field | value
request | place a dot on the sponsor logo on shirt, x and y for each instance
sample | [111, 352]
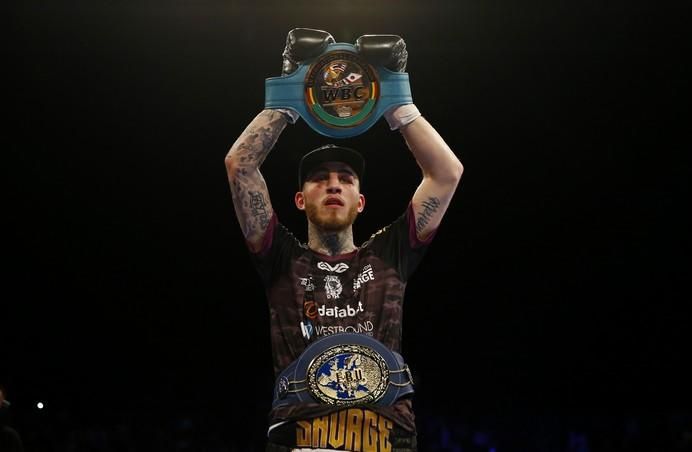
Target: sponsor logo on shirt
[338, 268]
[306, 282]
[307, 329]
[346, 311]
[366, 328]
[310, 310]
[364, 276]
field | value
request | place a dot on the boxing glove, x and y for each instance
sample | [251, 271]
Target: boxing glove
[383, 50]
[389, 51]
[303, 44]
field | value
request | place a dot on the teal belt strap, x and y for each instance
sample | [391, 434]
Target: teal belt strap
[288, 91]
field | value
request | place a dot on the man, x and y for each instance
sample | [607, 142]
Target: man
[330, 286]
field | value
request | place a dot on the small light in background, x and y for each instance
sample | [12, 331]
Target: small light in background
[39, 405]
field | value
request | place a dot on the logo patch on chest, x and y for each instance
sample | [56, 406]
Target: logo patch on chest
[338, 268]
[332, 286]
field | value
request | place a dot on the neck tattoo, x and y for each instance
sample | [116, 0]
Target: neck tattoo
[332, 244]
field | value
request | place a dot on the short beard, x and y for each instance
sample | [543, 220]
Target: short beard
[329, 223]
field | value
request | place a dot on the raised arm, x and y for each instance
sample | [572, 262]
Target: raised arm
[248, 188]
[441, 168]
[441, 173]
[250, 194]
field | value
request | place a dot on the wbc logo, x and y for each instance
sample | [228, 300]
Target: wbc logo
[341, 89]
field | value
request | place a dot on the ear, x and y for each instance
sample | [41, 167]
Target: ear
[299, 199]
[361, 203]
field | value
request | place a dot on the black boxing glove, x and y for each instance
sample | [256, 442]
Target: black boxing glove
[389, 51]
[383, 50]
[303, 44]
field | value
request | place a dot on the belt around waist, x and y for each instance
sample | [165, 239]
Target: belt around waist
[344, 369]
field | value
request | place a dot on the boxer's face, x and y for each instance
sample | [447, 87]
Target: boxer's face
[331, 196]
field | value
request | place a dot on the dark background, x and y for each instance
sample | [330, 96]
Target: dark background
[549, 314]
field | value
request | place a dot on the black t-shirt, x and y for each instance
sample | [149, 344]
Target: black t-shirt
[360, 292]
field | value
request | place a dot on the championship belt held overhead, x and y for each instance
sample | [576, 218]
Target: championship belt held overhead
[339, 93]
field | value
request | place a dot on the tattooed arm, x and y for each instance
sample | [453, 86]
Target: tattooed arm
[441, 174]
[248, 188]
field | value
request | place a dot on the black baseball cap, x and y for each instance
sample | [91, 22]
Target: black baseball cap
[330, 153]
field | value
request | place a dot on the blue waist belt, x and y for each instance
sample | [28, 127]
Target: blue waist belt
[344, 369]
[338, 94]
